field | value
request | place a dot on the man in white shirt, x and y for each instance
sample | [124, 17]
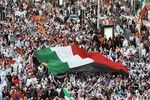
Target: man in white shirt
[41, 68]
[2, 85]
[143, 52]
[125, 42]
[20, 68]
[3, 74]
[1, 90]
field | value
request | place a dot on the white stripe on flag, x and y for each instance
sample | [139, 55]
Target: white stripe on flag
[65, 54]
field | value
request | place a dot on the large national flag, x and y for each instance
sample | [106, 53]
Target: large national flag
[62, 59]
[64, 95]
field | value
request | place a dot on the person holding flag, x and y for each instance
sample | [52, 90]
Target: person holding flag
[140, 14]
[64, 95]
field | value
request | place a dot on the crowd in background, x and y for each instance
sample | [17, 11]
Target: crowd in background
[21, 36]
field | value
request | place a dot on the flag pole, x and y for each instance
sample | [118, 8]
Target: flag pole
[2, 20]
[140, 40]
[133, 5]
[140, 30]
[98, 14]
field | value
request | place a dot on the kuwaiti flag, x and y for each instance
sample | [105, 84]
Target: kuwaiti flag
[61, 59]
[64, 95]
[143, 9]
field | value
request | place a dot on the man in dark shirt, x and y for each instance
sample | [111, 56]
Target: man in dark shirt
[9, 77]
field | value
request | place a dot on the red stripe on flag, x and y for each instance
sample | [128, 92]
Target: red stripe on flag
[144, 10]
[62, 99]
[98, 58]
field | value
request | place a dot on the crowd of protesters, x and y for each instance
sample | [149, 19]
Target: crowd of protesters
[21, 36]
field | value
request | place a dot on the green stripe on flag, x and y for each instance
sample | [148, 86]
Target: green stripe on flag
[141, 3]
[43, 55]
[54, 64]
[137, 16]
[66, 94]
